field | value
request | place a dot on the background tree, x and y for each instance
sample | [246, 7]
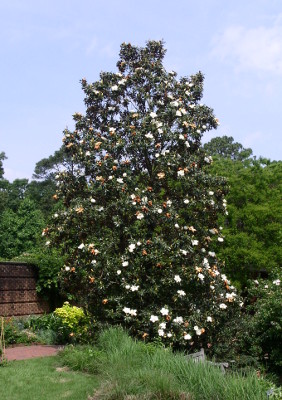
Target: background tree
[19, 231]
[252, 228]
[139, 210]
[225, 147]
[2, 158]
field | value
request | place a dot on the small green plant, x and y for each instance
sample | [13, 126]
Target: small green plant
[15, 333]
[72, 324]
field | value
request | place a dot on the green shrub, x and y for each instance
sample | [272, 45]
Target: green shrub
[15, 333]
[72, 324]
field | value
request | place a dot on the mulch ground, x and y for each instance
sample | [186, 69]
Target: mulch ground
[25, 352]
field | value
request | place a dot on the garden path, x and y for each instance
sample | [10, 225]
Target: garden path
[25, 352]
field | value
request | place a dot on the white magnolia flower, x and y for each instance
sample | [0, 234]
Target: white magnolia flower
[92, 200]
[169, 334]
[230, 296]
[138, 243]
[67, 268]
[160, 130]
[177, 278]
[127, 287]
[154, 318]
[131, 247]
[195, 242]
[56, 215]
[220, 239]
[160, 210]
[134, 288]
[164, 311]
[211, 193]
[118, 271]
[153, 115]
[178, 113]
[149, 136]
[119, 180]
[174, 103]
[122, 82]
[176, 226]
[125, 264]
[199, 332]
[162, 325]
[276, 282]
[181, 137]
[184, 252]
[124, 174]
[186, 201]
[209, 319]
[81, 246]
[201, 277]
[161, 332]
[211, 253]
[187, 337]
[169, 203]
[178, 320]
[110, 177]
[140, 216]
[114, 88]
[87, 153]
[181, 172]
[187, 144]
[181, 293]
[222, 306]
[127, 310]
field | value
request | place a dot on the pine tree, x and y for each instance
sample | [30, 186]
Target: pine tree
[139, 209]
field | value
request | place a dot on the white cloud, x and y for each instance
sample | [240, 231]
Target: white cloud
[258, 49]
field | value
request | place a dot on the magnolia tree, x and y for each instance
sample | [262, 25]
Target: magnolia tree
[139, 209]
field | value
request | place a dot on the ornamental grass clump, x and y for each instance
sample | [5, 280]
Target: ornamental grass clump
[139, 210]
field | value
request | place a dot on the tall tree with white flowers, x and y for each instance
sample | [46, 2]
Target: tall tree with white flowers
[139, 209]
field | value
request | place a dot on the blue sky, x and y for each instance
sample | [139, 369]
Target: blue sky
[46, 47]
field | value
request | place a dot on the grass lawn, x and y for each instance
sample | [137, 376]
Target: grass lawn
[44, 379]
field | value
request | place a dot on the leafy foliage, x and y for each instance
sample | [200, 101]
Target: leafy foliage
[252, 228]
[19, 231]
[226, 147]
[2, 158]
[139, 210]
